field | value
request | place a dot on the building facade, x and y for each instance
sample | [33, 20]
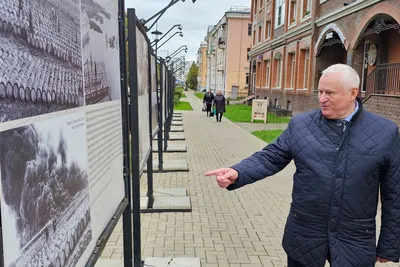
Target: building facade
[228, 43]
[202, 66]
[294, 40]
[182, 75]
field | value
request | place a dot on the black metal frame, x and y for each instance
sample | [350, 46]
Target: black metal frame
[134, 119]
[125, 207]
[160, 95]
[150, 189]
[130, 120]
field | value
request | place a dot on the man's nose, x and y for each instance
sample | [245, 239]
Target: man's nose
[322, 98]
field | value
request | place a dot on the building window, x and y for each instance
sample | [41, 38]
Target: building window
[247, 79]
[259, 34]
[303, 70]
[248, 51]
[249, 28]
[290, 70]
[279, 12]
[254, 38]
[278, 70]
[306, 8]
[268, 30]
[267, 73]
[293, 12]
[306, 66]
[289, 106]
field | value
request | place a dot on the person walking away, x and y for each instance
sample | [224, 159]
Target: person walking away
[208, 100]
[346, 158]
[219, 103]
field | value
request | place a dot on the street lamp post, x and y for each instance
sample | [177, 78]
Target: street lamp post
[158, 40]
[180, 34]
[173, 54]
[159, 14]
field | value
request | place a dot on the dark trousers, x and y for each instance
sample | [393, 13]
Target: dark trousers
[219, 116]
[208, 108]
[292, 263]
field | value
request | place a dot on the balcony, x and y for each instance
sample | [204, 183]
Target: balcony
[221, 42]
[384, 80]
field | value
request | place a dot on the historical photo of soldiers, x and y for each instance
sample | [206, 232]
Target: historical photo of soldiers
[100, 50]
[45, 193]
[40, 57]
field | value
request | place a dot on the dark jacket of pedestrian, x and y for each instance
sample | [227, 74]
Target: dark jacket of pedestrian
[208, 98]
[219, 101]
[340, 170]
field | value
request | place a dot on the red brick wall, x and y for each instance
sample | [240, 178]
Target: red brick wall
[300, 103]
[387, 106]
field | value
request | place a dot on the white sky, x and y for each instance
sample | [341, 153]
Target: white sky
[194, 19]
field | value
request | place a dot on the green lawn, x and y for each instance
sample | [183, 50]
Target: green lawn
[182, 105]
[199, 95]
[242, 113]
[267, 135]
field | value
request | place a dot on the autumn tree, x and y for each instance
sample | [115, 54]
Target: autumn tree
[191, 78]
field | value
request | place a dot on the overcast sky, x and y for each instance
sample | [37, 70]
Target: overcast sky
[194, 19]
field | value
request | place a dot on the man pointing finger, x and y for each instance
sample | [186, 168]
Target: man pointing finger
[346, 159]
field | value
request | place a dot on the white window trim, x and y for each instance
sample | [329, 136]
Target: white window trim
[268, 73]
[279, 87]
[293, 70]
[268, 29]
[282, 15]
[291, 25]
[305, 86]
[303, 18]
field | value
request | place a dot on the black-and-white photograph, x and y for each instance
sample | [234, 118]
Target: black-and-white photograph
[100, 41]
[45, 193]
[40, 57]
[142, 51]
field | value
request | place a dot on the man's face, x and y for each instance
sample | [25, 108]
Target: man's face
[335, 100]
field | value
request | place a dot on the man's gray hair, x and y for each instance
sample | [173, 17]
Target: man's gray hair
[351, 79]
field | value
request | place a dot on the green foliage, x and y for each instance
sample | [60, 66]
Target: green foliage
[199, 95]
[242, 113]
[182, 105]
[191, 79]
[267, 135]
[178, 94]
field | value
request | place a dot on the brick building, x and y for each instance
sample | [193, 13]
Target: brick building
[294, 40]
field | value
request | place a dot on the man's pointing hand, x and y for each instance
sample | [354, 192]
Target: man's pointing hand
[225, 176]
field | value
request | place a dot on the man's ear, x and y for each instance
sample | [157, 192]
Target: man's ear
[354, 93]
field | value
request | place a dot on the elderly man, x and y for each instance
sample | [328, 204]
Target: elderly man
[344, 155]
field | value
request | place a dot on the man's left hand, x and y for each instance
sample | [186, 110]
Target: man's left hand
[381, 260]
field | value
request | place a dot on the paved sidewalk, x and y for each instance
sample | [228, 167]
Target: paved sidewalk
[241, 228]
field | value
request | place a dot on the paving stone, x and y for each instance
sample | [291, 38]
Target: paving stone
[225, 228]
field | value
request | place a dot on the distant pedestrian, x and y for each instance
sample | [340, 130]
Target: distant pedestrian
[208, 100]
[219, 103]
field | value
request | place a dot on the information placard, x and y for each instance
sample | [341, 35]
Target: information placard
[259, 110]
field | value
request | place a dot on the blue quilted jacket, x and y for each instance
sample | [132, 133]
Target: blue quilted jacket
[340, 170]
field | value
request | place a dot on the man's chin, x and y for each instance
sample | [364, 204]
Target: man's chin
[326, 113]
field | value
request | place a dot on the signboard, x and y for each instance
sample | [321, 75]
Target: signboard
[259, 110]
